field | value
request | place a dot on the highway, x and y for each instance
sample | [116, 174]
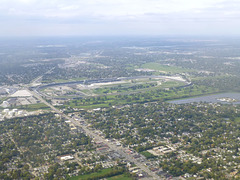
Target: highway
[37, 80]
[114, 147]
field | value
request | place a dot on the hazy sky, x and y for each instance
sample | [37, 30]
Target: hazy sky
[119, 17]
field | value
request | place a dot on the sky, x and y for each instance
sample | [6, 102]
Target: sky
[119, 17]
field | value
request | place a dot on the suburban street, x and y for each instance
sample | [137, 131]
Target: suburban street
[120, 150]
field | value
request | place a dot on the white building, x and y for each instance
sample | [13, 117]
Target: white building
[6, 110]
[67, 157]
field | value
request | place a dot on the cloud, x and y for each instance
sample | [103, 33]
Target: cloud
[116, 8]
[125, 15]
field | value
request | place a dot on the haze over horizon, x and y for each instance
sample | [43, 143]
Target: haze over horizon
[119, 17]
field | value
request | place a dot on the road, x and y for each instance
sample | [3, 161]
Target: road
[90, 133]
[37, 80]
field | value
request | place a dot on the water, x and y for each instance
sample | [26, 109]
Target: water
[210, 99]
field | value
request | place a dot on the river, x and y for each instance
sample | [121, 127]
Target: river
[225, 98]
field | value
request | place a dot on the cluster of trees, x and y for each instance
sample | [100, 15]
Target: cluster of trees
[178, 168]
[197, 127]
[8, 155]
[8, 152]
[225, 83]
[58, 171]
[17, 74]
[16, 174]
[162, 121]
[21, 61]
[40, 136]
[33, 131]
[62, 171]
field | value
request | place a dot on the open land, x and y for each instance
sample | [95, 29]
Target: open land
[101, 110]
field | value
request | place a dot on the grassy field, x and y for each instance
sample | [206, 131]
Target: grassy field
[63, 80]
[164, 68]
[34, 107]
[86, 176]
[120, 177]
[237, 119]
[30, 107]
[136, 88]
[150, 95]
[103, 172]
[147, 154]
[111, 98]
[124, 88]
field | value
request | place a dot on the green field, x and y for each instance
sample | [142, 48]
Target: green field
[126, 87]
[86, 176]
[104, 173]
[165, 68]
[237, 119]
[122, 88]
[120, 177]
[147, 154]
[34, 107]
[30, 107]
[134, 88]
[149, 95]
[63, 80]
